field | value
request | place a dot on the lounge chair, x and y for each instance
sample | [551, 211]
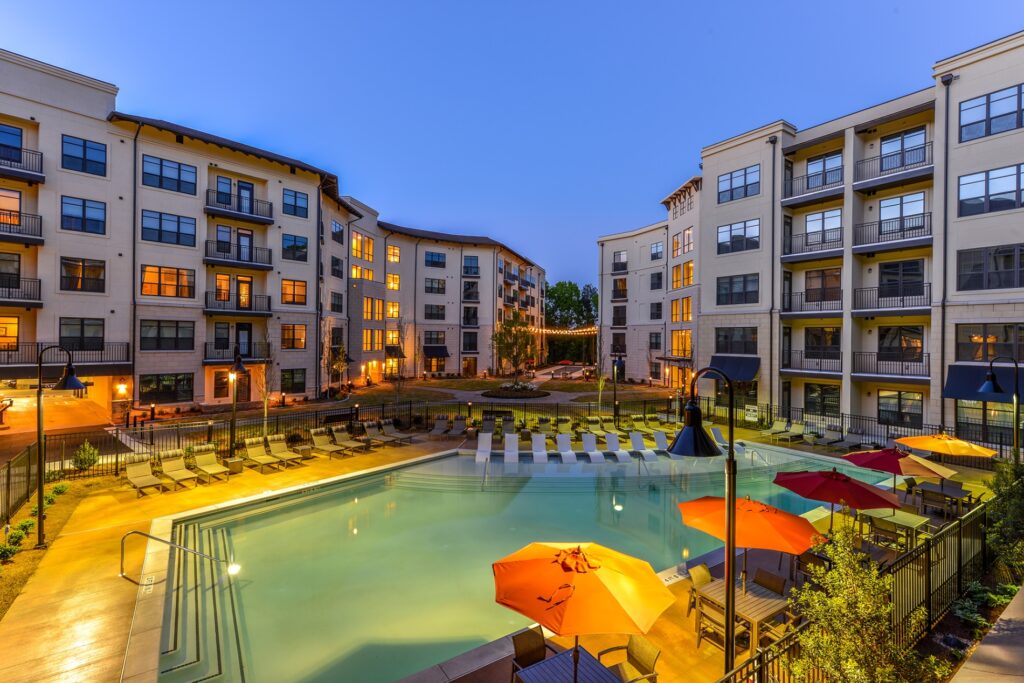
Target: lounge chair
[206, 464]
[256, 454]
[608, 426]
[279, 449]
[170, 455]
[322, 443]
[737, 448]
[440, 428]
[795, 432]
[640, 425]
[565, 451]
[636, 440]
[540, 448]
[458, 427]
[389, 428]
[831, 436]
[373, 433]
[483, 446]
[564, 426]
[778, 427]
[140, 476]
[346, 443]
[661, 444]
[175, 470]
[854, 438]
[611, 441]
[543, 426]
[641, 658]
[512, 448]
[590, 447]
[488, 425]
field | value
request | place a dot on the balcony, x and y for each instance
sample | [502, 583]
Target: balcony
[470, 322]
[470, 271]
[74, 283]
[239, 207]
[814, 303]
[219, 353]
[236, 255]
[511, 277]
[619, 294]
[18, 163]
[898, 300]
[906, 365]
[809, 246]
[471, 295]
[817, 362]
[221, 303]
[523, 283]
[620, 267]
[883, 171]
[905, 232]
[807, 189]
[88, 352]
[618, 321]
[524, 304]
[21, 228]
[510, 300]
[22, 292]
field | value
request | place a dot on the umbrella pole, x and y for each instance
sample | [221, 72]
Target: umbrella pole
[831, 516]
[744, 574]
[576, 660]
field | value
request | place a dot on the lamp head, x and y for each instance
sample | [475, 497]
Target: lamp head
[68, 381]
[693, 440]
[238, 368]
[991, 385]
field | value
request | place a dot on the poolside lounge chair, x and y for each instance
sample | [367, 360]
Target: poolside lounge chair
[592, 425]
[280, 449]
[488, 424]
[565, 451]
[458, 427]
[483, 446]
[641, 658]
[389, 428]
[373, 433]
[170, 455]
[590, 447]
[611, 441]
[206, 464]
[543, 426]
[346, 443]
[540, 448]
[440, 428]
[832, 435]
[608, 425]
[796, 431]
[778, 427]
[256, 454]
[508, 425]
[140, 476]
[854, 439]
[640, 425]
[175, 470]
[737, 448]
[636, 440]
[563, 426]
[511, 448]
[203, 449]
[322, 443]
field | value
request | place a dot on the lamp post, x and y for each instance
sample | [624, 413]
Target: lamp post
[991, 386]
[236, 370]
[617, 357]
[693, 440]
[67, 382]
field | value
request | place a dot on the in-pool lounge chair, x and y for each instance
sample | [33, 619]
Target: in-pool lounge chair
[661, 444]
[778, 427]
[611, 442]
[512, 448]
[175, 470]
[374, 434]
[590, 447]
[256, 454]
[140, 476]
[565, 451]
[540, 448]
[279, 449]
[207, 465]
[440, 428]
[388, 426]
[458, 426]
[322, 443]
[636, 440]
[483, 446]
[738, 448]
[346, 443]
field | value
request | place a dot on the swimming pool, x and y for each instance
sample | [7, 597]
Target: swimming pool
[379, 576]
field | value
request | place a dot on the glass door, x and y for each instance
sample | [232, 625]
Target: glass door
[243, 287]
[245, 195]
[243, 339]
[10, 271]
[10, 209]
[901, 279]
[244, 245]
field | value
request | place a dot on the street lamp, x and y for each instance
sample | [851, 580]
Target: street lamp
[67, 382]
[617, 365]
[237, 369]
[991, 386]
[693, 440]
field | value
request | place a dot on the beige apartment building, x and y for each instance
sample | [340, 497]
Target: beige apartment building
[155, 252]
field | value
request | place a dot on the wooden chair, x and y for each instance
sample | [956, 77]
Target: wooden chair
[641, 658]
[886, 534]
[711, 625]
[773, 582]
[699, 576]
[936, 501]
[529, 648]
[911, 484]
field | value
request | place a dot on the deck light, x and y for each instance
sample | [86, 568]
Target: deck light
[234, 568]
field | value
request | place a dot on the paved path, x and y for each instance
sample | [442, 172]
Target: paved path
[1000, 656]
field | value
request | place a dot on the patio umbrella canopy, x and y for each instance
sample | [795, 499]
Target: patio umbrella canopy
[946, 445]
[758, 525]
[835, 487]
[895, 461]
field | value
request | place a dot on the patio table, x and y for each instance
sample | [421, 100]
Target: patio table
[953, 492]
[909, 521]
[558, 669]
[755, 606]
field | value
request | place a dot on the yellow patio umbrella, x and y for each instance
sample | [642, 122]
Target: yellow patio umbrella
[944, 444]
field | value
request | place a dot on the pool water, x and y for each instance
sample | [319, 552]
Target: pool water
[376, 578]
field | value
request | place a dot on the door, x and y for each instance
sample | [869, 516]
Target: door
[244, 245]
[901, 343]
[901, 217]
[10, 209]
[8, 334]
[786, 398]
[222, 287]
[900, 279]
[787, 345]
[243, 288]
[245, 195]
[10, 271]
[787, 290]
[243, 339]
[902, 150]
[469, 366]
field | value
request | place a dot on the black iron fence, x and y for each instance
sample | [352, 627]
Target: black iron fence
[824, 299]
[239, 252]
[18, 223]
[898, 296]
[893, 229]
[894, 162]
[17, 482]
[239, 203]
[828, 360]
[813, 182]
[20, 289]
[223, 301]
[21, 159]
[225, 351]
[898, 364]
[811, 242]
[27, 353]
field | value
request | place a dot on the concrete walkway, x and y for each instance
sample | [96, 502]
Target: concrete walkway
[1000, 656]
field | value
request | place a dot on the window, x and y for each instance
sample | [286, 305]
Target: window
[823, 170]
[687, 240]
[687, 309]
[394, 281]
[822, 342]
[823, 226]
[901, 278]
[900, 408]
[393, 309]
[656, 280]
[293, 381]
[295, 203]
[677, 276]
[391, 338]
[360, 273]
[433, 311]
[362, 246]
[8, 324]
[168, 175]
[469, 341]
[904, 343]
[619, 262]
[470, 316]
[989, 191]
[618, 288]
[741, 236]
[739, 340]
[470, 290]
[433, 364]
[990, 114]
[367, 308]
[81, 334]
[168, 228]
[367, 339]
[433, 259]
[470, 265]
[337, 232]
[294, 247]
[337, 302]
[394, 253]
[682, 343]
[990, 267]
[293, 292]
[688, 274]
[338, 267]
[982, 342]
[745, 182]
[654, 341]
[618, 342]
[433, 338]
[655, 371]
[168, 388]
[82, 275]
[165, 281]
[222, 385]
[905, 148]
[821, 399]
[823, 285]
[83, 215]
[737, 289]
[985, 421]
[675, 307]
[676, 248]
[657, 251]
[10, 143]
[83, 155]
[166, 335]
[433, 285]
[898, 214]
[655, 310]
[293, 336]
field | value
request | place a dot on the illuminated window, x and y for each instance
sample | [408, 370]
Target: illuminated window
[675, 245]
[392, 338]
[293, 292]
[362, 246]
[367, 308]
[677, 276]
[682, 343]
[393, 309]
[687, 240]
[378, 309]
[367, 340]
[687, 309]
[675, 311]
[357, 272]
[394, 281]
[293, 336]
[171, 282]
[688, 274]
[394, 253]
[378, 340]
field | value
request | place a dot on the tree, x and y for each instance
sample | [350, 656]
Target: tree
[398, 376]
[514, 342]
[1006, 514]
[264, 382]
[567, 306]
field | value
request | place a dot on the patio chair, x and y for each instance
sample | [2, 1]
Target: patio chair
[593, 426]
[935, 501]
[511, 448]
[372, 434]
[886, 534]
[563, 426]
[795, 432]
[641, 658]
[778, 427]
[529, 647]
[483, 446]
[280, 449]
[910, 483]
[322, 443]
[738, 448]
[202, 449]
[773, 582]
[640, 425]
[175, 470]
[608, 426]
[590, 447]
[540, 448]
[565, 451]
[543, 426]
[711, 625]
[700, 576]
[141, 477]
[440, 428]
[851, 440]
[170, 455]
[508, 425]
[636, 440]
[805, 562]
[488, 424]
[346, 443]
[206, 464]
[391, 430]
[661, 444]
[458, 427]
[832, 435]
[612, 445]
[256, 454]
[860, 438]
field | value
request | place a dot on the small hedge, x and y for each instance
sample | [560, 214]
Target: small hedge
[511, 393]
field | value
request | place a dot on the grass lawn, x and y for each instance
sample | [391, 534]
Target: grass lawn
[462, 383]
[385, 393]
[571, 386]
[631, 395]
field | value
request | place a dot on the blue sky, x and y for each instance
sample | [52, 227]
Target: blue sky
[544, 124]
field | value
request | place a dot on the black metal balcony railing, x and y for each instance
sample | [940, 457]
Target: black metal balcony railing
[471, 322]
[815, 360]
[810, 242]
[220, 301]
[895, 162]
[814, 182]
[239, 203]
[17, 223]
[21, 159]
[901, 295]
[893, 229]
[813, 300]
[471, 271]
[620, 267]
[225, 350]
[511, 277]
[619, 294]
[82, 351]
[510, 300]
[898, 363]
[618, 322]
[73, 283]
[20, 288]
[240, 253]
[471, 295]
[523, 303]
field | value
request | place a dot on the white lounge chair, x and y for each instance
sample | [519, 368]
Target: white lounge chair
[661, 444]
[540, 448]
[590, 447]
[512, 448]
[611, 441]
[738, 448]
[483, 446]
[636, 440]
[565, 451]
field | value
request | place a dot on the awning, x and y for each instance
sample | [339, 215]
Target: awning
[393, 351]
[963, 382]
[681, 361]
[435, 351]
[349, 359]
[738, 368]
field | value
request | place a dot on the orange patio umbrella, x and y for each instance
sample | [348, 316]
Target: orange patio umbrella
[944, 444]
[576, 589]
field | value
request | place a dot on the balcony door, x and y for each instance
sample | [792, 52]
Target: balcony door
[10, 207]
[10, 144]
[902, 343]
[901, 279]
[244, 245]
[245, 196]
[10, 271]
[899, 214]
[823, 285]
[243, 291]
[8, 333]
[243, 339]
[903, 149]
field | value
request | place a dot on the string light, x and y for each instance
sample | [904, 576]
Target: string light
[565, 332]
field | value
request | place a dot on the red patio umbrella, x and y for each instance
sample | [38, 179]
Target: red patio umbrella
[832, 486]
[895, 461]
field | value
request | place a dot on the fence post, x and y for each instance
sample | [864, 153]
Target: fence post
[177, 434]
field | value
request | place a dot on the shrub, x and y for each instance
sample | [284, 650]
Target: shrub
[86, 456]
[53, 475]
[7, 552]
[26, 525]
[293, 439]
[16, 537]
[49, 499]
[60, 489]
[1006, 514]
